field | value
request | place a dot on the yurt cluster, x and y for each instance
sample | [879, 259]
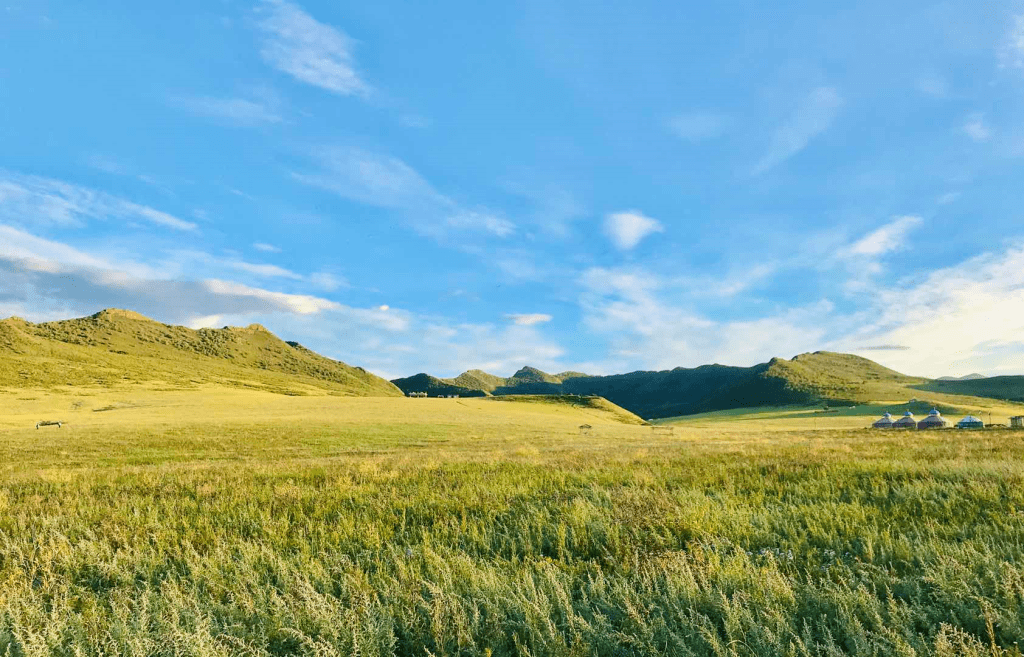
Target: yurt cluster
[933, 420]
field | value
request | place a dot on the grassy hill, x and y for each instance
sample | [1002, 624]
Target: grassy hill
[1009, 388]
[815, 378]
[118, 347]
[434, 386]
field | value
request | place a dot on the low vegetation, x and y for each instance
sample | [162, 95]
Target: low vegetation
[818, 378]
[1010, 388]
[266, 525]
[118, 348]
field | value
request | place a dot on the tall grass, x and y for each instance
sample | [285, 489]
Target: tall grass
[271, 540]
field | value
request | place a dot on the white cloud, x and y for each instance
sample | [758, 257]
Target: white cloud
[44, 280]
[627, 229]
[41, 254]
[34, 268]
[646, 328]
[529, 319]
[698, 126]
[814, 116]
[37, 200]
[266, 248]
[933, 85]
[185, 261]
[470, 220]
[1012, 54]
[311, 52]
[234, 111]
[889, 237]
[976, 128]
[388, 182]
[959, 319]
[328, 282]
[554, 209]
[370, 178]
[301, 304]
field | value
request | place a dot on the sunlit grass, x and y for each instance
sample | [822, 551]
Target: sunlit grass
[238, 523]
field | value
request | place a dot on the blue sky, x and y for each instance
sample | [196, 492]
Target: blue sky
[442, 186]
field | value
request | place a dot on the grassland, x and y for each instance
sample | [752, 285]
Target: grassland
[228, 522]
[121, 349]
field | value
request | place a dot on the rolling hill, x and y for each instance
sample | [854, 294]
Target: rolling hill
[1007, 388]
[119, 347]
[819, 377]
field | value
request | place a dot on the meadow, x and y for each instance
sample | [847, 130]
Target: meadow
[226, 522]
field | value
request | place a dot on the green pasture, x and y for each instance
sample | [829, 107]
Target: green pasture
[225, 522]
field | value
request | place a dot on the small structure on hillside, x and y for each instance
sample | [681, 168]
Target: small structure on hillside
[933, 421]
[50, 423]
[586, 429]
[885, 422]
[1017, 422]
[970, 422]
[908, 421]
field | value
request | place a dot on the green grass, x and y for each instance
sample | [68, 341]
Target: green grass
[997, 387]
[224, 522]
[121, 349]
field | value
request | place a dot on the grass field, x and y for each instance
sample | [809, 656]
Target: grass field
[225, 522]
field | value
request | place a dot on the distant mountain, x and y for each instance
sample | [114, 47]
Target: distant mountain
[967, 377]
[434, 386]
[809, 378]
[1008, 388]
[120, 347]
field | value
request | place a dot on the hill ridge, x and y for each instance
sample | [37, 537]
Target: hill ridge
[809, 378]
[122, 347]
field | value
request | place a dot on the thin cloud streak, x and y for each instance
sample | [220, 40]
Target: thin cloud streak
[387, 182]
[889, 237]
[317, 54]
[240, 112]
[38, 200]
[814, 116]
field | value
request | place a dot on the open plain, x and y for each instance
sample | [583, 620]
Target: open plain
[223, 521]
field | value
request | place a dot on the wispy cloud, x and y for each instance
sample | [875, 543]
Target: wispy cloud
[266, 248]
[698, 126]
[1012, 52]
[934, 85]
[36, 268]
[967, 317]
[388, 182]
[43, 280]
[242, 112]
[889, 237]
[529, 319]
[813, 116]
[37, 200]
[472, 220]
[627, 229]
[308, 50]
[554, 209]
[371, 179]
[645, 327]
[976, 128]
[327, 281]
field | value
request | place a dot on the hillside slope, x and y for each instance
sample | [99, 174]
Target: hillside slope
[434, 386]
[117, 347]
[1008, 388]
[820, 377]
